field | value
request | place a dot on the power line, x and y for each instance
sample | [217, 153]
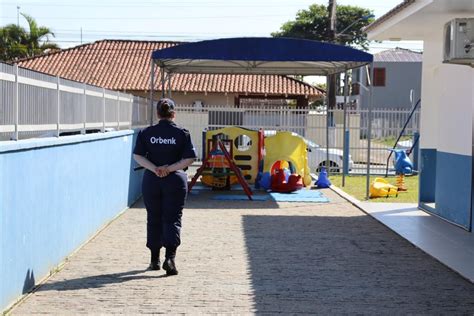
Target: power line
[150, 4]
[161, 18]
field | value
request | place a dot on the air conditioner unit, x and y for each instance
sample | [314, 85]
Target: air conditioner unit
[459, 42]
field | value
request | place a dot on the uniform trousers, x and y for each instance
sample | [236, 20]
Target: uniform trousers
[164, 201]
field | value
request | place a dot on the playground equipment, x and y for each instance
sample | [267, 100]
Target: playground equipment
[245, 148]
[381, 188]
[415, 142]
[323, 180]
[220, 166]
[403, 166]
[283, 147]
[280, 182]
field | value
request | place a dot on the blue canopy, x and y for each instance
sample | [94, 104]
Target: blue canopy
[257, 55]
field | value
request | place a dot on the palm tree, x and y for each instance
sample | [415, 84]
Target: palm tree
[37, 40]
[16, 42]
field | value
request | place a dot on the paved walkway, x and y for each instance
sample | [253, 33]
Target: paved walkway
[256, 257]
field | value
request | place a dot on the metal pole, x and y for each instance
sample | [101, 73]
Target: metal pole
[345, 154]
[169, 85]
[103, 110]
[17, 101]
[152, 84]
[130, 113]
[118, 111]
[163, 82]
[58, 103]
[327, 123]
[369, 129]
[84, 104]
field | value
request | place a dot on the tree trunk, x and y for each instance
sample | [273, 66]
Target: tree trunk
[331, 91]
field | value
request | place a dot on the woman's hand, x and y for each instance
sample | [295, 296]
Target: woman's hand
[162, 171]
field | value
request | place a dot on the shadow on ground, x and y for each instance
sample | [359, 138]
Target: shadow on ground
[97, 281]
[342, 265]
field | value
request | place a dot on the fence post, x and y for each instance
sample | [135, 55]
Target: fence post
[84, 109]
[130, 113]
[138, 108]
[15, 136]
[118, 111]
[58, 103]
[103, 110]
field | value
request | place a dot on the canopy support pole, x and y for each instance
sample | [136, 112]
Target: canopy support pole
[152, 84]
[345, 145]
[369, 128]
[327, 124]
[163, 82]
[169, 85]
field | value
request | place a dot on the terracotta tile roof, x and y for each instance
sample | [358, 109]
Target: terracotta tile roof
[389, 14]
[398, 55]
[125, 65]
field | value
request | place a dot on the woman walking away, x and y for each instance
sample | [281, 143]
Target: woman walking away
[164, 150]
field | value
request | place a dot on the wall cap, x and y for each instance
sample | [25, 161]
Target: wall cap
[34, 143]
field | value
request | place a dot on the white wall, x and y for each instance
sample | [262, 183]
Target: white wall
[189, 98]
[208, 99]
[447, 106]
[430, 104]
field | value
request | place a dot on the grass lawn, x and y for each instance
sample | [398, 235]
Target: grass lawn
[390, 141]
[355, 186]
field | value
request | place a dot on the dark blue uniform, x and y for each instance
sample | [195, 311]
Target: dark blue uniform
[164, 144]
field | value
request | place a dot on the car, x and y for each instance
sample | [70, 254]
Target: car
[317, 155]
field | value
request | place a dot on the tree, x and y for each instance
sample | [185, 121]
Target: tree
[313, 24]
[16, 42]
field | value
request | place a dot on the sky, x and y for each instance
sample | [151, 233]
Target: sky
[173, 20]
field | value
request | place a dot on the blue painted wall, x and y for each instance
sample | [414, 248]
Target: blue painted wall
[55, 193]
[453, 187]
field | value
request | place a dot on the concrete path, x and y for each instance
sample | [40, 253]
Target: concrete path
[241, 257]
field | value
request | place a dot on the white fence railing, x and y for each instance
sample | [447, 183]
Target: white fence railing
[34, 104]
[386, 126]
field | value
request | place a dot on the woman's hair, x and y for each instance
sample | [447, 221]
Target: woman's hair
[165, 108]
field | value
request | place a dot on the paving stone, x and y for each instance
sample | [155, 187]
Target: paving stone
[241, 257]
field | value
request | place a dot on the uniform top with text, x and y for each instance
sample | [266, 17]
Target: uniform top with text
[164, 143]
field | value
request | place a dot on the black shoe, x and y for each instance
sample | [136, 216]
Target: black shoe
[154, 265]
[170, 267]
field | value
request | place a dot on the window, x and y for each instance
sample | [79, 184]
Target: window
[379, 77]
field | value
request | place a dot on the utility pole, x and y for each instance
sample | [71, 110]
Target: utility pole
[331, 89]
[18, 16]
[81, 35]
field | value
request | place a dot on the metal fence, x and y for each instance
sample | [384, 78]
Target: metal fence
[386, 126]
[34, 104]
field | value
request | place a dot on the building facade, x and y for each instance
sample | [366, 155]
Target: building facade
[397, 80]
[446, 178]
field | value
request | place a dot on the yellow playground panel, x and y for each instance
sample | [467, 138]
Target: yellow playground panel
[284, 146]
[247, 151]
